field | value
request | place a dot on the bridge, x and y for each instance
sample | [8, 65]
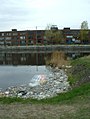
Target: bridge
[46, 49]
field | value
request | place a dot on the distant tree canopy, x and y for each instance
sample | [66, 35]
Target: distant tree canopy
[53, 35]
[83, 35]
[84, 25]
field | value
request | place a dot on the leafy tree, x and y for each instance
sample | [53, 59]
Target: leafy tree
[53, 35]
[83, 35]
[84, 25]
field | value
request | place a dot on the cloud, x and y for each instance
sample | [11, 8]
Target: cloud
[30, 13]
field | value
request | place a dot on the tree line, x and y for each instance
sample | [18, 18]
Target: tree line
[55, 36]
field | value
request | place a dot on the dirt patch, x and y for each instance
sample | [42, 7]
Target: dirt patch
[37, 111]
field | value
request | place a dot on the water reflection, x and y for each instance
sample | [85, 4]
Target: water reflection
[18, 69]
[30, 58]
[19, 75]
[22, 59]
[13, 69]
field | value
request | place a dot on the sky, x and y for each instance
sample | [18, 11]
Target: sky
[27, 14]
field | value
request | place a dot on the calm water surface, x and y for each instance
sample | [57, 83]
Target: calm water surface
[18, 69]
[19, 75]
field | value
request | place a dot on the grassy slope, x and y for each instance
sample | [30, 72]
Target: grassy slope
[80, 72]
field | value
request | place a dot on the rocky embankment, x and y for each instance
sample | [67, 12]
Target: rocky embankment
[49, 86]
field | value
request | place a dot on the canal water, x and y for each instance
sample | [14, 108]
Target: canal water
[18, 69]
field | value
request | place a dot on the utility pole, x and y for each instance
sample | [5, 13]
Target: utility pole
[36, 52]
[36, 35]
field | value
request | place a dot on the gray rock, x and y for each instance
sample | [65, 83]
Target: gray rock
[56, 82]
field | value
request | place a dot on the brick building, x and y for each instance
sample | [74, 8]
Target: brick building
[30, 37]
[21, 38]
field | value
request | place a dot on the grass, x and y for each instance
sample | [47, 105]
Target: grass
[77, 93]
[83, 60]
[80, 70]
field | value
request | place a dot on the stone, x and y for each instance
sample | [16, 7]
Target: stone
[68, 66]
[6, 92]
[19, 94]
[2, 94]
[41, 86]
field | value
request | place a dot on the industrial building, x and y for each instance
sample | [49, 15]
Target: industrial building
[31, 37]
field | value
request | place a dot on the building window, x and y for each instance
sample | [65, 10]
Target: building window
[15, 38]
[38, 37]
[1, 38]
[1, 42]
[22, 37]
[22, 33]
[8, 38]
[23, 42]
[8, 34]
[8, 42]
[2, 34]
[14, 34]
[69, 36]
[30, 37]
[30, 42]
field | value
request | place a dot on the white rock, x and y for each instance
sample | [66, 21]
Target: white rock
[7, 92]
[19, 94]
[68, 66]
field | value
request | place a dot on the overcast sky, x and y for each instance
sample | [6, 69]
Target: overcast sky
[27, 14]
